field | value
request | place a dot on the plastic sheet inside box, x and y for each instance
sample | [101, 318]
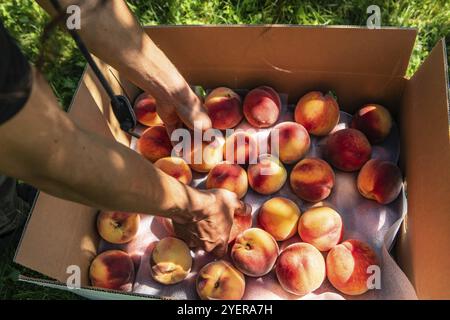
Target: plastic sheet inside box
[363, 219]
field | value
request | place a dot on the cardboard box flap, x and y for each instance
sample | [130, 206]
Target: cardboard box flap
[293, 59]
[425, 241]
[385, 51]
[57, 224]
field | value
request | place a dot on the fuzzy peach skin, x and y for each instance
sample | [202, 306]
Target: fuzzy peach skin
[167, 224]
[254, 252]
[171, 261]
[321, 227]
[300, 268]
[228, 176]
[224, 108]
[317, 112]
[312, 179]
[380, 181]
[374, 121]
[242, 220]
[112, 269]
[118, 227]
[279, 217]
[267, 176]
[290, 141]
[241, 148]
[154, 143]
[347, 266]
[175, 167]
[145, 110]
[262, 107]
[211, 153]
[219, 280]
[348, 149]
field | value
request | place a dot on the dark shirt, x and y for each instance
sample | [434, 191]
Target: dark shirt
[15, 77]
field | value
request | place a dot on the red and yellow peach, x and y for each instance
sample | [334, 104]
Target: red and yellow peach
[262, 107]
[145, 110]
[228, 176]
[290, 141]
[267, 176]
[118, 227]
[154, 143]
[224, 108]
[374, 121]
[175, 167]
[241, 148]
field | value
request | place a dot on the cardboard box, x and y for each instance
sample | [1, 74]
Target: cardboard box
[358, 64]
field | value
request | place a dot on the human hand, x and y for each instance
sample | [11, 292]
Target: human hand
[184, 106]
[210, 221]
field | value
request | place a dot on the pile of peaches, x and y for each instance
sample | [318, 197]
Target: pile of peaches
[255, 251]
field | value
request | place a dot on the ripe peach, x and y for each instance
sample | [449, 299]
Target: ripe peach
[224, 108]
[380, 181]
[145, 110]
[154, 143]
[241, 148]
[279, 217]
[210, 154]
[228, 176]
[300, 268]
[317, 112]
[267, 176]
[348, 149]
[321, 227]
[262, 107]
[167, 224]
[175, 167]
[254, 252]
[312, 179]
[347, 266]
[118, 227]
[170, 261]
[112, 269]
[374, 121]
[242, 220]
[292, 142]
[219, 280]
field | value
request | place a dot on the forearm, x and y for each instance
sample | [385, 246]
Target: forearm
[111, 32]
[44, 147]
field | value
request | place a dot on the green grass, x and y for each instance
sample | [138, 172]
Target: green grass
[26, 21]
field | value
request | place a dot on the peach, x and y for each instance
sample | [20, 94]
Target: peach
[312, 179]
[254, 252]
[321, 227]
[145, 110]
[262, 107]
[317, 112]
[175, 167]
[374, 121]
[267, 176]
[209, 154]
[242, 220]
[224, 108]
[279, 217]
[300, 268]
[171, 261]
[154, 143]
[112, 269]
[118, 227]
[380, 181]
[348, 149]
[241, 148]
[290, 141]
[167, 224]
[228, 176]
[219, 280]
[347, 266]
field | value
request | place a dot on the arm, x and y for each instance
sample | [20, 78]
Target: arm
[44, 147]
[137, 58]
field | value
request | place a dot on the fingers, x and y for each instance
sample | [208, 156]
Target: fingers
[220, 250]
[194, 114]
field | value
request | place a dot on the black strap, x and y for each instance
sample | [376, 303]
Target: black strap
[120, 104]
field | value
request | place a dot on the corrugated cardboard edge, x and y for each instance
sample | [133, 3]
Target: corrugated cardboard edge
[424, 244]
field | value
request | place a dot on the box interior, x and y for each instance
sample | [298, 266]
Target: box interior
[359, 65]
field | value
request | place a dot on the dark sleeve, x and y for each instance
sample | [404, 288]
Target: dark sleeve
[15, 77]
